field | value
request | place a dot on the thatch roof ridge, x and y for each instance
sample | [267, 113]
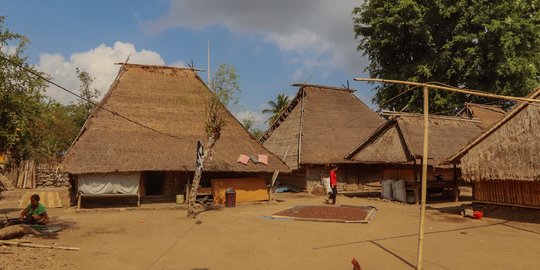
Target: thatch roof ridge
[168, 101]
[329, 87]
[511, 114]
[149, 66]
[431, 116]
[494, 108]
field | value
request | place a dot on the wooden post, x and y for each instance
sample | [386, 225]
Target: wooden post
[424, 180]
[456, 187]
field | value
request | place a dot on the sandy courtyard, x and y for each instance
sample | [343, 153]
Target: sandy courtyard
[159, 236]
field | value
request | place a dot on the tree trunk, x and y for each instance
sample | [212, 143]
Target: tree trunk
[197, 178]
[16, 231]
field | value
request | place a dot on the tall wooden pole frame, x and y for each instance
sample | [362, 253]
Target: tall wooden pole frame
[424, 178]
[425, 150]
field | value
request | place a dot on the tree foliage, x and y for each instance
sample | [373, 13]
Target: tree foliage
[32, 126]
[20, 97]
[276, 107]
[89, 95]
[224, 84]
[487, 45]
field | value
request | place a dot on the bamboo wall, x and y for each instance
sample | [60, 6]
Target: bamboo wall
[511, 192]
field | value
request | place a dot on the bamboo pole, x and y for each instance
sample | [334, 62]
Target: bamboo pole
[424, 179]
[10, 243]
[452, 89]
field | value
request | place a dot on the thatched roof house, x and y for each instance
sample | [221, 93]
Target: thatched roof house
[171, 103]
[504, 161]
[158, 115]
[320, 126]
[487, 114]
[400, 139]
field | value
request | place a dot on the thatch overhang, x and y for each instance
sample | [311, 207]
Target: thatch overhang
[487, 114]
[320, 126]
[400, 139]
[508, 150]
[168, 109]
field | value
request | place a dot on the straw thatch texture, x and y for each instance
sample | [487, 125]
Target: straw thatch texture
[386, 146]
[509, 151]
[404, 134]
[321, 124]
[284, 143]
[487, 114]
[171, 101]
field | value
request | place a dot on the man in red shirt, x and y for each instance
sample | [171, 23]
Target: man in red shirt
[333, 183]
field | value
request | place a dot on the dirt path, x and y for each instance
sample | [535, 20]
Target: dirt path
[242, 238]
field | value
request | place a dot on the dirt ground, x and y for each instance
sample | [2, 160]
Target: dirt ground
[159, 236]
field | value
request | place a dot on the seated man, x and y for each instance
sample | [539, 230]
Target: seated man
[35, 212]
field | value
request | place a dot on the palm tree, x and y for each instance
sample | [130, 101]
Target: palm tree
[276, 107]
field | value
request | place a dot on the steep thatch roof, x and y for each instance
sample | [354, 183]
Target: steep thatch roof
[508, 150]
[320, 126]
[172, 102]
[400, 139]
[487, 114]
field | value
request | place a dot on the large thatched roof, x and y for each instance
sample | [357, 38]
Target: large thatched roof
[172, 102]
[400, 139]
[320, 126]
[508, 150]
[487, 114]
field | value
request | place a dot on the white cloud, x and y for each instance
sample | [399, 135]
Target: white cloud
[318, 33]
[99, 62]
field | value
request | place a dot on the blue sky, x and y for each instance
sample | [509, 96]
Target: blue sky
[272, 43]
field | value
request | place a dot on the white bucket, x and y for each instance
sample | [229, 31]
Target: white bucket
[386, 191]
[326, 184]
[180, 199]
[398, 191]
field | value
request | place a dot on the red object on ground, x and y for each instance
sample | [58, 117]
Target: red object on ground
[478, 214]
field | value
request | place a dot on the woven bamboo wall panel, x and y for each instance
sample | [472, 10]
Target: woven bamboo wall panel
[525, 193]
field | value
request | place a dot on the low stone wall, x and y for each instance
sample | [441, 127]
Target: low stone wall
[48, 175]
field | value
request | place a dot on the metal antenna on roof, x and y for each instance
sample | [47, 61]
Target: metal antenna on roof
[208, 74]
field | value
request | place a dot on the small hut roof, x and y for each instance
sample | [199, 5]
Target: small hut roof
[167, 106]
[320, 125]
[400, 139]
[487, 114]
[508, 150]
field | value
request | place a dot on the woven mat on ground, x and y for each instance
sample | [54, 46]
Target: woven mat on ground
[50, 199]
[342, 213]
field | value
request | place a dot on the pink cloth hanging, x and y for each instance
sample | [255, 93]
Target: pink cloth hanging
[244, 159]
[263, 159]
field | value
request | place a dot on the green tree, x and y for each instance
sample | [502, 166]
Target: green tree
[57, 127]
[89, 95]
[480, 44]
[20, 97]
[276, 107]
[224, 84]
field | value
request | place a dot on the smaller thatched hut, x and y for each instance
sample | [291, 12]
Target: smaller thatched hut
[142, 139]
[503, 162]
[396, 146]
[318, 128]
